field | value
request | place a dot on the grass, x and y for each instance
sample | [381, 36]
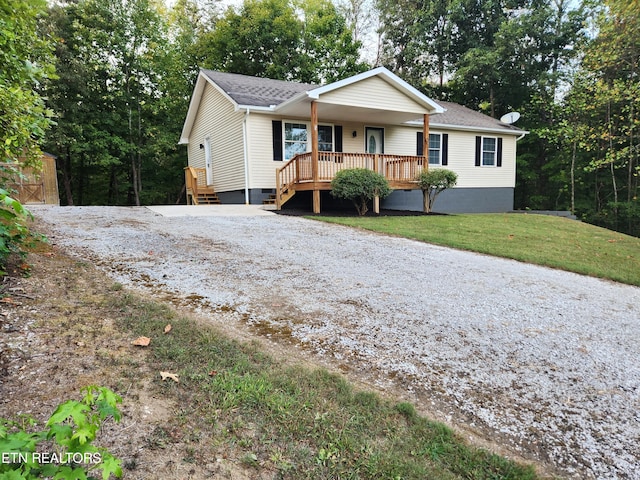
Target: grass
[295, 422]
[542, 240]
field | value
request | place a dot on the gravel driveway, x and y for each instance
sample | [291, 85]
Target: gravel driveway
[543, 361]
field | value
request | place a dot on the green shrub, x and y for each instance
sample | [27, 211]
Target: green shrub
[14, 233]
[64, 449]
[433, 182]
[360, 186]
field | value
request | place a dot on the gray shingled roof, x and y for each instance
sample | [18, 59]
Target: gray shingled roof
[256, 91]
[265, 92]
[461, 116]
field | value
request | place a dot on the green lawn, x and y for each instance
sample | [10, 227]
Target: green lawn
[543, 240]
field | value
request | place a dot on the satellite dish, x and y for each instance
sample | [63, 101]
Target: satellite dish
[509, 118]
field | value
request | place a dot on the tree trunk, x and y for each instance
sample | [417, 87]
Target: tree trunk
[573, 177]
[426, 201]
[65, 167]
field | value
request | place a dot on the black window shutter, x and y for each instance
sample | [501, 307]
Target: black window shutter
[420, 144]
[478, 150]
[499, 153]
[277, 139]
[445, 149]
[337, 129]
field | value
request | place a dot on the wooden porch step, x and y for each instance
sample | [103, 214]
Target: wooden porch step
[207, 199]
[286, 196]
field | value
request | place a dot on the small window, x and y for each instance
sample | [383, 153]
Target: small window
[489, 150]
[435, 149]
[295, 139]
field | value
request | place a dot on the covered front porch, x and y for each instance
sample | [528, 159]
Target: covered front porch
[370, 103]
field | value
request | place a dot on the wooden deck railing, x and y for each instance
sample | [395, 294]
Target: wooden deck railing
[195, 181]
[299, 170]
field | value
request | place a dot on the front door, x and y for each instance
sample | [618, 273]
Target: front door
[375, 140]
[207, 160]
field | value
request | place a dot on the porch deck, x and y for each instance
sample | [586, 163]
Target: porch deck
[299, 174]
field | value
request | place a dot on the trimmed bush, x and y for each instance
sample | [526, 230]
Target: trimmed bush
[433, 182]
[360, 186]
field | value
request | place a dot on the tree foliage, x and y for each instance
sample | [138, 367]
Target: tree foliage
[359, 185]
[25, 62]
[274, 39]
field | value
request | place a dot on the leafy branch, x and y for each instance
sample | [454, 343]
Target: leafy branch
[70, 431]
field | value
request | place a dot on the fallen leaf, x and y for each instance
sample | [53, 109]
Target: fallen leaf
[172, 376]
[141, 341]
[167, 329]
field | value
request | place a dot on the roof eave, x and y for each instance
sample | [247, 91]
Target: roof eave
[467, 128]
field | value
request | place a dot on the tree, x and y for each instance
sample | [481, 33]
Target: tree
[25, 62]
[111, 100]
[359, 185]
[270, 38]
[432, 183]
[329, 52]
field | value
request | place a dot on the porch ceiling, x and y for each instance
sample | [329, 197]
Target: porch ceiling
[331, 112]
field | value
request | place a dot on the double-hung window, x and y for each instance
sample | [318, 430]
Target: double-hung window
[438, 148]
[295, 139]
[435, 149]
[489, 151]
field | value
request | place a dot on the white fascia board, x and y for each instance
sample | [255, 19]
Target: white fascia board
[255, 108]
[465, 128]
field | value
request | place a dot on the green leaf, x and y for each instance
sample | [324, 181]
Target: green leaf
[70, 409]
[68, 473]
[109, 466]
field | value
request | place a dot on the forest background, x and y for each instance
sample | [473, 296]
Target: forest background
[104, 85]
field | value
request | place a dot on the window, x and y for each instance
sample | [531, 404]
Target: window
[435, 149]
[489, 151]
[438, 148]
[295, 139]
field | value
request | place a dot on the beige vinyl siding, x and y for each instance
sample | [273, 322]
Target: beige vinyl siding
[262, 167]
[372, 93]
[218, 120]
[462, 156]
[397, 140]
